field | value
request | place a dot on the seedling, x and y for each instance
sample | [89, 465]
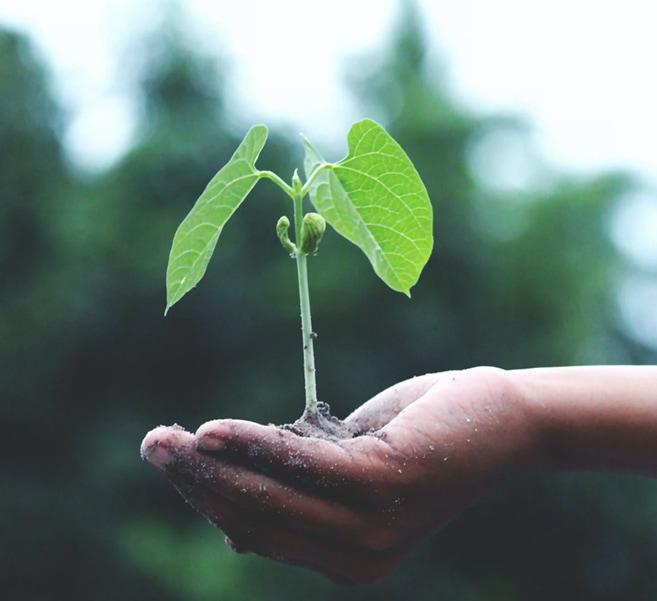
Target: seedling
[373, 197]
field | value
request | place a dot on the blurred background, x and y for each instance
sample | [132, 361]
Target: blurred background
[537, 261]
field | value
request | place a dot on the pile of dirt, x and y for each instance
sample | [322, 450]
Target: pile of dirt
[321, 425]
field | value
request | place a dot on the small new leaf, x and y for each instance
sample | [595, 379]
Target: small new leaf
[313, 227]
[282, 227]
[375, 198]
[196, 237]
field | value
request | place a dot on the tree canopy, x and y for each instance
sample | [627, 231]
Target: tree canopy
[516, 279]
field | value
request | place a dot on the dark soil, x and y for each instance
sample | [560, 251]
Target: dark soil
[321, 425]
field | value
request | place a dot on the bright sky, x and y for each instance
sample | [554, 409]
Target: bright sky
[581, 71]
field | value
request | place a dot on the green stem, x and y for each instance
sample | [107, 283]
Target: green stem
[306, 323]
[279, 182]
[313, 176]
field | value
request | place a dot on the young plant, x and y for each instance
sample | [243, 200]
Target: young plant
[373, 197]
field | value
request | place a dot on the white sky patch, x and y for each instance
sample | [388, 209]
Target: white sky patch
[582, 72]
[634, 229]
[638, 307]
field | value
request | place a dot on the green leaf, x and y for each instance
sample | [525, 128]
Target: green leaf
[375, 198]
[196, 237]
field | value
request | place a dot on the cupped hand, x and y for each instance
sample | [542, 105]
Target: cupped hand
[354, 509]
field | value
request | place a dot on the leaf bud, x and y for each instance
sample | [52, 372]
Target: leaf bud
[282, 228]
[313, 227]
[297, 185]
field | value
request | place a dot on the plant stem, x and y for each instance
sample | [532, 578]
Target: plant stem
[278, 181]
[306, 322]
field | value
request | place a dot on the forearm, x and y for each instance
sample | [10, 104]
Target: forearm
[598, 418]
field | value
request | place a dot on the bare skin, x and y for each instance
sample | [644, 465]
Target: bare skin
[430, 446]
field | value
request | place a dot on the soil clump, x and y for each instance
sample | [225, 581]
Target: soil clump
[322, 425]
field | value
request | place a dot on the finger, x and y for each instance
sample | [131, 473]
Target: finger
[161, 443]
[213, 486]
[354, 464]
[246, 532]
[439, 419]
[263, 517]
[343, 562]
[346, 555]
[385, 406]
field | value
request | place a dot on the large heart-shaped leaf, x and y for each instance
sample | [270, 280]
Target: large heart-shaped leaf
[375, 198]
[197, 235]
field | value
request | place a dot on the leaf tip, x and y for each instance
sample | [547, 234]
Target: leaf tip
[172, 299]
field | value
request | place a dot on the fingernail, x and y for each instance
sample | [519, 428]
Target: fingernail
[154, 450]
[157, 454]
[210, 443]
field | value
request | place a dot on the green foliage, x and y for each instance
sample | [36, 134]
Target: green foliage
[515, 279]
[186, 563]
[197, 236]
[375, 198]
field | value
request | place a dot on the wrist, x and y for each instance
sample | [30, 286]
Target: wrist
[534, 445]
[520, 431]
[592, 418]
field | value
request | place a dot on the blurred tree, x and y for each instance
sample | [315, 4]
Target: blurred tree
[515, 282]
[33, 175]
[497, 281]
[90, 364]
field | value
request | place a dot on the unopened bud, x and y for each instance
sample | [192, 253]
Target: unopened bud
[297, 185]
[282, 228]
[313, 227]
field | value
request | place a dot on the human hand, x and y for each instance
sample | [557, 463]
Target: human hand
[426, 448]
